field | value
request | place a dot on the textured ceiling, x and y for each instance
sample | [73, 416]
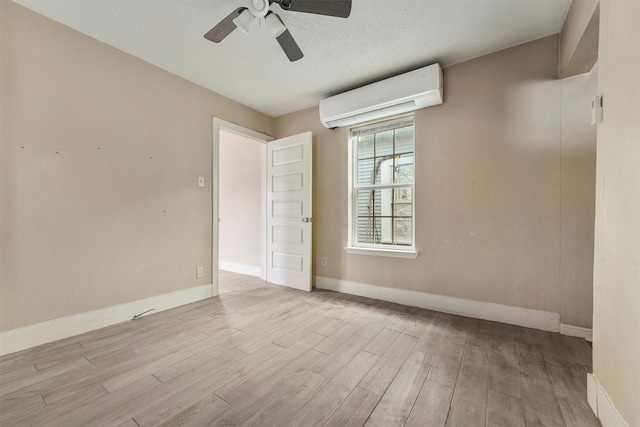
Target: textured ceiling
[380, 38]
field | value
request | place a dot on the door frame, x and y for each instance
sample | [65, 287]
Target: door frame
[219, 125]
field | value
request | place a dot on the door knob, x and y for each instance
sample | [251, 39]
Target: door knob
[306, 219]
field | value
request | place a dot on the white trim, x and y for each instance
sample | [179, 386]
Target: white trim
[538, 319]
[350, 198]
[601, 404]
[240, 130]
[234, 267]
[576, 331]
[218, 125]
[215, 207]
[592, 393]
[263, 213]
[382, 252]
[64, 327]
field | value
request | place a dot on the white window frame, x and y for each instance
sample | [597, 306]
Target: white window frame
[380, 249]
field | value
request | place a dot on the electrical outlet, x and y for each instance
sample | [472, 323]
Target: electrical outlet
[201, 181]
[199, 272]
[324, 262]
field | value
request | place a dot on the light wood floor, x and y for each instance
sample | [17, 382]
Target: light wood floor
[269, 356]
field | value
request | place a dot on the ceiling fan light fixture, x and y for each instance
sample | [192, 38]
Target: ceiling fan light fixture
[245, 21]
[259, 10]
[274, 25]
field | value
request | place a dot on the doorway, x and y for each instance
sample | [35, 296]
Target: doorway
[239, 233]
[285, 231]
[241, 208]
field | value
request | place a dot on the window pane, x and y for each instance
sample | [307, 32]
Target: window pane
[368, 230]
[404, 140]
[383, 170]
[386, 202]
[386, 236]
[365, 146]
[365, 202]
[384, 143]
[365, 172]
[402, 210]
[369, 203]
[404, 169]
[402, 231]
[378, 202]
[403, 195]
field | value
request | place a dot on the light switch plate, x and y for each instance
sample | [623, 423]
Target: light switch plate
[596, 110]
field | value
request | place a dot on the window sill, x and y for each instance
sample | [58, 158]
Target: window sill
[410, 254]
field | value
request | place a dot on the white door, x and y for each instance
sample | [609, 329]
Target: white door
[289, 211]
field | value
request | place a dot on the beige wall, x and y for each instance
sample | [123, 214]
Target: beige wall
[616, 276]
[489, 197]
[240, 199]
[100, 154]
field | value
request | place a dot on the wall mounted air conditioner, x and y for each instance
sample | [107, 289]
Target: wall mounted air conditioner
[400, 94]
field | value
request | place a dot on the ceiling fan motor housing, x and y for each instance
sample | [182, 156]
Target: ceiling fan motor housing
[259, 8]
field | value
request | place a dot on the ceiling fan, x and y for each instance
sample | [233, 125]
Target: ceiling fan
[259, 11]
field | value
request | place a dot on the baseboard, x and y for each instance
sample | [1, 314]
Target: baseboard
[537, 319]
[52, 330]
[576, 331]
[249, 270]
[601, 404]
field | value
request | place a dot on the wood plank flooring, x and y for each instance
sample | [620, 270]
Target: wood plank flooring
[264, 355]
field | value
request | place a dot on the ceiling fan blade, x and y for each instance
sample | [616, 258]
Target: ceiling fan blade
[339, 8]
[224, 27]
[289, 45]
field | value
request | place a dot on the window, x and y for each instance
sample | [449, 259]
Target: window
[382, 170]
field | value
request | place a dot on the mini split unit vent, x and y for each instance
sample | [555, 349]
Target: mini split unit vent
[400, 94]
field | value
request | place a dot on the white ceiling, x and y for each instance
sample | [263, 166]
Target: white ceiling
[380, 38]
